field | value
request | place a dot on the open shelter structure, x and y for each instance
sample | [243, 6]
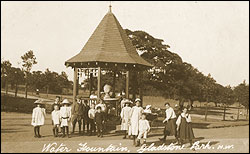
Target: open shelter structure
[108, 48]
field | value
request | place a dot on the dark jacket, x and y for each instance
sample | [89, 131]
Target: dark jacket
[99, 117]
[77, 109]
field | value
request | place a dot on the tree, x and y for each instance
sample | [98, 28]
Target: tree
[5, 73]
[28, 60]
[242, 96]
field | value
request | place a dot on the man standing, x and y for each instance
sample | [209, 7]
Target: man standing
[170, 123]
[77, 114]
[85, 116]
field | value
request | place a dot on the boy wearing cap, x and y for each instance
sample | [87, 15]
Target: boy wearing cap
[38, 118]
[65, 115]
[77, 114]
[125, 115]
[99, 121]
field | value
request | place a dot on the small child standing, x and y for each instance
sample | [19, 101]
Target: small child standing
[144, 129]
[38, 118]
[99, 120]
[184, 127]
[56, 119]
[65, 116]
[91, 115]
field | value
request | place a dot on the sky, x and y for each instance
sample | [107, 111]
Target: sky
[212, 36]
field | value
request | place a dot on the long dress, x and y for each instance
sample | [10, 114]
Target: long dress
[185, 127]
[38, 116]
[135, 117]
[125, 113]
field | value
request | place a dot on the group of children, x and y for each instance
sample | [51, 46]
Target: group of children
[64, 115]
[133, 120]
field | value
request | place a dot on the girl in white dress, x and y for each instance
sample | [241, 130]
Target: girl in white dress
[135, 116]
[125, 115]
[38, 118]
[65, 116]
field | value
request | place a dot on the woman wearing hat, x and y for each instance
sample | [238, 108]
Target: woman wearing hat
[125, 115]
[38, 117]
[135, 116]
[65, 116]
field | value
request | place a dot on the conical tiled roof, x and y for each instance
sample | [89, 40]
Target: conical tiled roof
[108, 44]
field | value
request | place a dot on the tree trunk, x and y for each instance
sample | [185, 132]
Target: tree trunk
[238, 114]
[247, 114]
[224, 114]
[6, 86]
[16, 90]
[47, 91]
[26, 89]
[206, 110]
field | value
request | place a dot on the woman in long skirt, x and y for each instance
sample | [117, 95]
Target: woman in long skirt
[136, 113]
[184, 127]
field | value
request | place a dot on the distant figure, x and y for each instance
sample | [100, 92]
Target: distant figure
[37, 91]
[184, 127]
[56, 120]
[93, 98]
[38, 118]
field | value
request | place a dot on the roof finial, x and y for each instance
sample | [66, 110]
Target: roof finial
[110, 6]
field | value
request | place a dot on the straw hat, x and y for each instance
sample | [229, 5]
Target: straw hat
[138, 99]
[127, 101]
[38, 101]
[65, 101]
[148, 106]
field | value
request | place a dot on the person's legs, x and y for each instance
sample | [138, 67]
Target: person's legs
[67, 130]
[80, 124]
[145, 137]
[38, 132]
[139, 139]
[35, 128]
[125, 134]
[101, 130]
[63, 130]
[54, 131]
[134, 137]
[74, 120]
[83, 125]
[57, 127]
[98, 130]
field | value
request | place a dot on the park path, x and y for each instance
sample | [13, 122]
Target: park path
[17, 136]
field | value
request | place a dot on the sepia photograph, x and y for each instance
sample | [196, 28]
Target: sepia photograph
[124, 76]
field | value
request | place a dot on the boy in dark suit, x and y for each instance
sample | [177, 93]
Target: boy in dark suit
[99, 121]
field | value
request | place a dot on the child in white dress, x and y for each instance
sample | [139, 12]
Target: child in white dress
[65, 116]
[125, 116]
[38, 118]
[144, 129]
[56, 119]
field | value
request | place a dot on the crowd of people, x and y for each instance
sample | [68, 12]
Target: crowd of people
[92, 115]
